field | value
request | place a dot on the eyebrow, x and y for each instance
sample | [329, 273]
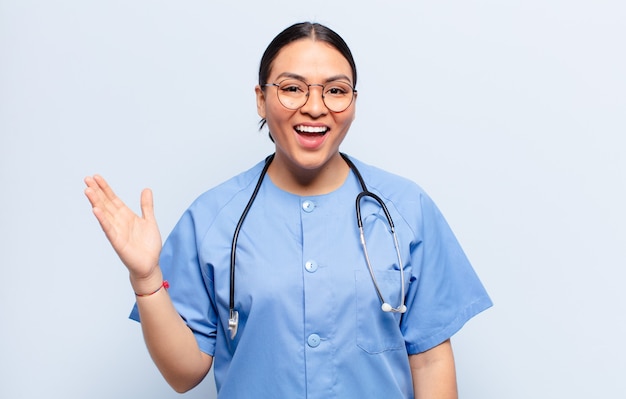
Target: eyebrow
[302, 78]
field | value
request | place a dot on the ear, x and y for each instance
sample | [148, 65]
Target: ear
[260, 101]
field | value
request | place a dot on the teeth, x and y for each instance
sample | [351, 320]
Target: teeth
[312, 129]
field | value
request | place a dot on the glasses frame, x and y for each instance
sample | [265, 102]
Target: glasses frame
[323, 86]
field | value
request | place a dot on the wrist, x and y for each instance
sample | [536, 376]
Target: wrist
[164, 285]
[147, 285]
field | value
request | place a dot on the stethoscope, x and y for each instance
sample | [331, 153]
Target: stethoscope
[233, 320]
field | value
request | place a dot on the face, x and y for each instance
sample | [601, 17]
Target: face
[306, 139]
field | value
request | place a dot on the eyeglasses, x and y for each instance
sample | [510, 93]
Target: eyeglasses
[293, 94]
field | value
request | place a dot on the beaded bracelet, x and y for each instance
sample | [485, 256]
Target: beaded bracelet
[165, 285]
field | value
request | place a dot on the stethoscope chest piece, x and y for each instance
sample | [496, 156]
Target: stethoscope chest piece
[233, 323]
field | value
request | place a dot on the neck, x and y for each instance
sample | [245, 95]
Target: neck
[303, 181]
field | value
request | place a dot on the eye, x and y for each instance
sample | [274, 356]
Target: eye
[293, 87]
[337, 89]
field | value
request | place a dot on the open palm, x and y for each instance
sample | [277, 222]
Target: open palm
[136, 239]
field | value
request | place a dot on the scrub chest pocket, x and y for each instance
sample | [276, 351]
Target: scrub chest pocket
[377, 331]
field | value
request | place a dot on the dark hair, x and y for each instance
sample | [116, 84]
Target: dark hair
[302, 30]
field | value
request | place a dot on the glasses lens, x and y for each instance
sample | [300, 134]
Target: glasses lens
[337, 96]
[292, 93]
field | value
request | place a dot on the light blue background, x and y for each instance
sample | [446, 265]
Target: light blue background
[511, 114]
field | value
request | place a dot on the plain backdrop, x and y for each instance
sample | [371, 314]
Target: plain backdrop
[511, 114]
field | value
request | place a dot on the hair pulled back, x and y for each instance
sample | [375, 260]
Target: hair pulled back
[304, 30]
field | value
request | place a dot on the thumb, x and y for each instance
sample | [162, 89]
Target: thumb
[147, 205]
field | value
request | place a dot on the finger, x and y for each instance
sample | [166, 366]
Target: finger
[95, 182]
[97, 198]
[105, 223]
[89, 182]
[94, 192]
[147, 205]
[92, 196]
[99, 208]
[107, 190]
[110, 201]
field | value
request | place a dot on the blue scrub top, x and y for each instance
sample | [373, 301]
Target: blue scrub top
[311, 324]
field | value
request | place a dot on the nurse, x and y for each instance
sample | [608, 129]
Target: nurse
[308, 299]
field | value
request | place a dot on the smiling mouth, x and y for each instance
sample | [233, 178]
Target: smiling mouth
[313, 130]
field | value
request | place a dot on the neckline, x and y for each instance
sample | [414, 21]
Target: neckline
[352, 170]
[345, 185]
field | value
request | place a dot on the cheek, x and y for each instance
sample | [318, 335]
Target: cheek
[276, 113]
[347, 118]
[277, 117]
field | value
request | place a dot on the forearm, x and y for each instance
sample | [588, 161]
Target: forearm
[170, 342]
[434, 375]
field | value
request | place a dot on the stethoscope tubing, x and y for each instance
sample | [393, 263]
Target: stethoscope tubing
[233, 320]
[233, 316]
[366, 193]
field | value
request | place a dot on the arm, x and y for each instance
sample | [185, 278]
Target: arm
[171, 343]
[137, 242]
[433, 373]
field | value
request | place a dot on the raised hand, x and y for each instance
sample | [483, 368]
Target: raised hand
[135, 239]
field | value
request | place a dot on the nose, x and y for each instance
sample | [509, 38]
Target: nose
[314, 104]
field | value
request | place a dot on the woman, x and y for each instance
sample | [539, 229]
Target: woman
[313, 313]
